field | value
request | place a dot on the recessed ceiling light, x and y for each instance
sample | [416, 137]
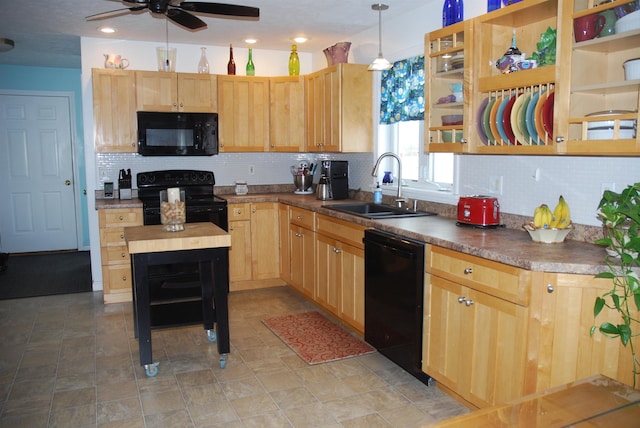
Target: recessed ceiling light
[250, 41]
[107, 30]
[300, 39]
[6, 45]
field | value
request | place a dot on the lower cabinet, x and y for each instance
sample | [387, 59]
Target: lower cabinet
[475, 337]
[254, 256]
[116, 262]
[302, 239]
[340, 269]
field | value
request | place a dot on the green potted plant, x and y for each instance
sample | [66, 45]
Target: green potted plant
[620, 216]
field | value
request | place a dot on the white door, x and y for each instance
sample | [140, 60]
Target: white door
[37, 212]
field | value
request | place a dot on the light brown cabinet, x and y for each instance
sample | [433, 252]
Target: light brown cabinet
[188, 92]
[254, 256]
[286, 114]
[475, 326]
[116, 263]
[302, 238]
[243, 114]
[114, 111]
[339, 109]
[340, 269]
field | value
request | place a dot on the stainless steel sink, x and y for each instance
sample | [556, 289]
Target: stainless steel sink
[376, 211]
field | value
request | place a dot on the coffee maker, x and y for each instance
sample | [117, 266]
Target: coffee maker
[336, 174]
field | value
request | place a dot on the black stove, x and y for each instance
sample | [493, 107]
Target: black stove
[201, 202]
[180, 280]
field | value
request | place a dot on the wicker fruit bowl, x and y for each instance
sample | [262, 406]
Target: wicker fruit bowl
[547, 235]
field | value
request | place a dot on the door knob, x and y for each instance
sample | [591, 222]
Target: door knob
[67, 182]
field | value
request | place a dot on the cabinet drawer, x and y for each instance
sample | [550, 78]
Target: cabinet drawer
[302, 217]
[120, 217]
[117, 278]
[497, 279]
[341, 230]
[117, 255]
[110, 237]
[239, 212]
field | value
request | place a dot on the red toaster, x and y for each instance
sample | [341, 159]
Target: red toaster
[478, 210]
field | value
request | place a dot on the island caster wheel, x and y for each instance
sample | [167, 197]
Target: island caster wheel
[223, 361]
[211, 335]
[151, 369]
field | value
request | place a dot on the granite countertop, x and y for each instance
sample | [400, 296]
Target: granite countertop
[509, 246]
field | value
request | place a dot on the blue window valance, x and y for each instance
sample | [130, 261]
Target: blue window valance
[402, 91]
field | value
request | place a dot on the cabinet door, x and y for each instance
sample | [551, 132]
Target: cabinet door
[265, 241]
[240, 251]
[327, 293]
[497, 340]
[286, 125]
[114, 111]
[355, 108]
[244, 114]
[352, 286]
[302, 259]
[197, 93]
[156, 91]
[323, 110]
[285, 243]
[445, 333]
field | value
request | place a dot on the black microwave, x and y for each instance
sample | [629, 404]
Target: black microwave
[177, 134]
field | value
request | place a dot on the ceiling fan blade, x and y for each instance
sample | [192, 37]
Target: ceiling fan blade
[111, 13]
[220, 9]
[185, 19]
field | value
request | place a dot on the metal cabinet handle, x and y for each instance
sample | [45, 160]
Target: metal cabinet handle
[298, 234]
[123, 255]
[124, 278]
[462, 299]
[463, 141]
[468, 271]
[550, 288]
[336, 250]
[299, 217]
[121, 218]
[122, 236]
[468, 302]
[559, 139]
[253, 211]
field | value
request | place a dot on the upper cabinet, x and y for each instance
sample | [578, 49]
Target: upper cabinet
[189, 92]
[598, 83]
[339, 109]
[243, 114]
[114, 111]
[449, 73]
[286, 121]
[552, 108]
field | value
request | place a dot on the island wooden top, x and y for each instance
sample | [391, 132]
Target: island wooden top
[195, 236]
[596, 401]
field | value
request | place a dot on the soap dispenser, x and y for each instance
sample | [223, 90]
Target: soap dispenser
[377, 194]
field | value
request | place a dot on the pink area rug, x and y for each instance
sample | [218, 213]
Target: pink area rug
[315, 338]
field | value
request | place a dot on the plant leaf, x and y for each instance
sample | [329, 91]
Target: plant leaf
[609, 329]
[598, 305]
[625, 333]
[616, 301]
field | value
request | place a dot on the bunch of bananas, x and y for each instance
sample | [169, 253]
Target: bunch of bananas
[560, 218]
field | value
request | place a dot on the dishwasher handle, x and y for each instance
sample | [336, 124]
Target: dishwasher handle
[396, 251]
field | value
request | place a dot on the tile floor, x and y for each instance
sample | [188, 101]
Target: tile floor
[70, 361]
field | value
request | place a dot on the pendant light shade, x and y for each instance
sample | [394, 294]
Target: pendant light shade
[6, 45]
[380, 63]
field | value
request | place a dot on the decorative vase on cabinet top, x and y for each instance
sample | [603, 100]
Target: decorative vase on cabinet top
[338, 53]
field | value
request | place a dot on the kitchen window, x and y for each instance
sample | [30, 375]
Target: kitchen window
[401, 130]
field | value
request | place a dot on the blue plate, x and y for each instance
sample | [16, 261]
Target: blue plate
[479, 125]
[531, 117]
[499, 120]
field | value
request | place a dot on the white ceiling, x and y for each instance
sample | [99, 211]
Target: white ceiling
[47, 32]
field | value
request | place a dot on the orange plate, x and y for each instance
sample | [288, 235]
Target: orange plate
[539, 121]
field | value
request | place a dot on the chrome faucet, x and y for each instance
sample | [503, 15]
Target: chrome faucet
[399, 198]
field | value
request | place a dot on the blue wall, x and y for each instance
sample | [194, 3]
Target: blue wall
[16, 77]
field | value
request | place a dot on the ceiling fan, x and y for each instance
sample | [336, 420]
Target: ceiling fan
[179, 12]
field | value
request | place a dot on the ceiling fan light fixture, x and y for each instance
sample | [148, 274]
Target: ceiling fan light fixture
[6, 45]
[380, 63]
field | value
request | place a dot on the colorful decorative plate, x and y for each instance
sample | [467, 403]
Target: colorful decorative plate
[506, 120]
[538, 121]
[531, 117]
[547, 115]
[500, 119]
[486, 118]
[479, 125]
[492, 120]
[522, 118]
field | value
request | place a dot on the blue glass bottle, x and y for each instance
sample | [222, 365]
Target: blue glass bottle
[493, 5]
[448, 13]
[458, 11]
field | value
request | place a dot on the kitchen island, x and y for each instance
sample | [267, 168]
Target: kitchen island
[204, 243]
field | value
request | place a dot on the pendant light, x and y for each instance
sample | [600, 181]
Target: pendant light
[380, 63]
[6, 45]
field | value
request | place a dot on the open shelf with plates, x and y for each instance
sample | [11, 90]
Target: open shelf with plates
[603, 105]
[447, 53]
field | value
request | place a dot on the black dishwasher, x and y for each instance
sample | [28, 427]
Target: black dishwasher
[394, 284]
